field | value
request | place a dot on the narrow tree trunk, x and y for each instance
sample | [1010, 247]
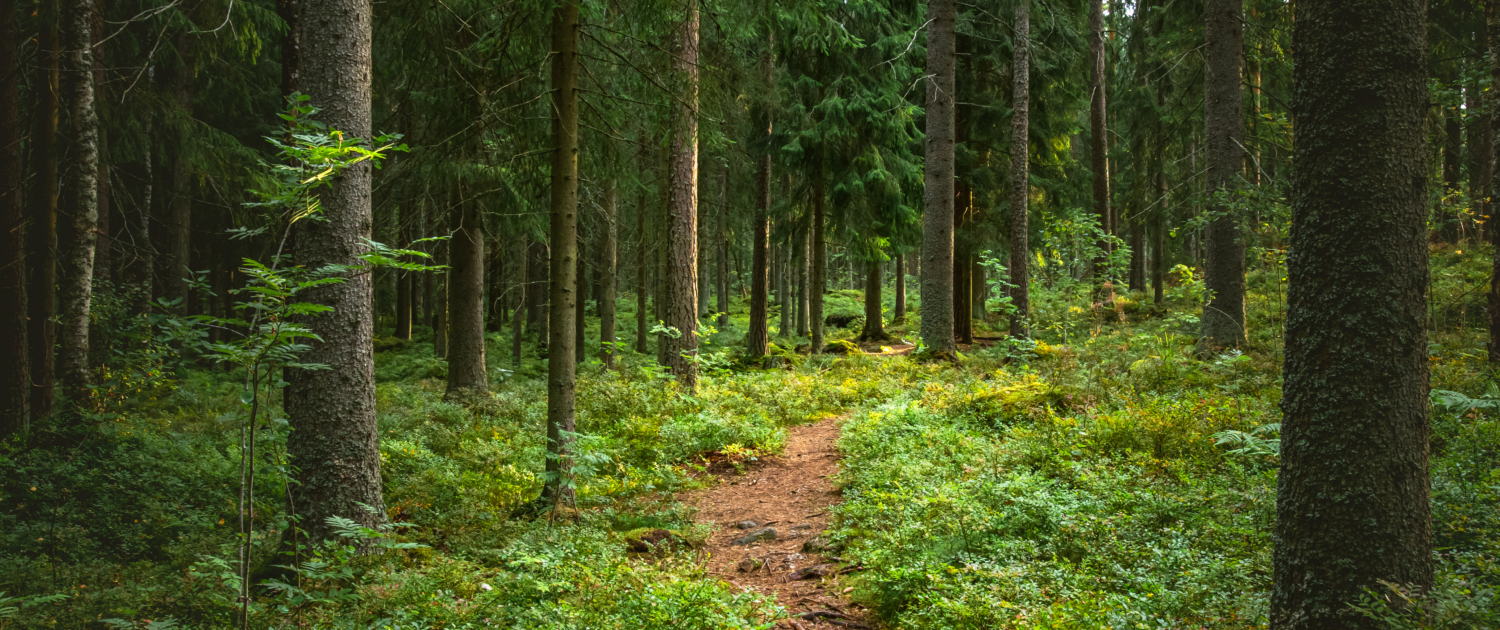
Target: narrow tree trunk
[1452, 150]
[1137, 249]
[817, 282]
[290, 12]
[334, 442]
[1482, 205]
[682, 350]
[1353, 506]
[103, 245]
[721, 247]
[442, 282]
[937, 232]
[180, 244]
[784, 295]
[899, 313]
[41, 229]
[494, 288]
[142, 261]
[804, 283]
[467, 372]
[561, 367]
[404, 284]
[1492, 32]
[874, 329]
[757, 338]
[15, 372]
[978, 291]
[1223, 320]
[78, 209]
[963, 300]
[608, 274]
[580, 302]
[1159, 214]
[1099, 135]
[523, 299]
[643, 264]
[1020, 175]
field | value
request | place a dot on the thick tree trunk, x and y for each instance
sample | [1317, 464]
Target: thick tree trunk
[1492, 32]
[1020, 174]
[899, 312]
[41, 229]
[562, 373]
[608, 274]
[937, 224]
[682, 350]
[874, 329]
[1099, 134]
[15, 372]
[334, 441]
[1353, 506]
[467, 373]
[178, 257]
[78, 210]
[523, 299]
[1223, 322]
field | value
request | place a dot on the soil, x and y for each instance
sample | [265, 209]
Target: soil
[790, 493]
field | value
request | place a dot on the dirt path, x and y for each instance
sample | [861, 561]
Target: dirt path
[789, 494]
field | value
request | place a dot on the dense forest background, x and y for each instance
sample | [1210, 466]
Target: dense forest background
[336, 314]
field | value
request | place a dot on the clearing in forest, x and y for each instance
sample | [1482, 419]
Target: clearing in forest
[768, 525]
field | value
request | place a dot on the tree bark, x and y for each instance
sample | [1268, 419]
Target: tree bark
[180, 244]
[874, 328]
[1020, 175]
[963, 299]
[1099, 135]
[495, 301]
[467, 372]
[643, 261]
[15, 371]
[803, 283]
[1492, 34]
[78, 210]
[1452, 150]
[580, 301]
[103, 259]
[334, 441]
[937, 224]
[1223, 322]
[290, 12]
[608, 274]
[757, 337]
[141, 264]
[561, 363]
[1353, 504]
[721, 252]
[523, 292]
[682, 239]
[41, 229]
[899, 313]
[442, 283]
[818, 257]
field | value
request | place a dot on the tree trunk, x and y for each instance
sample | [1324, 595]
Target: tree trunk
[78, 210]
[15, 372]
[608, 274]
[963, 299]
[1099, 135]
[1452, 149]
[561, 367]
[442, 283]
[467, 372]
[682, 350]
[1137, 247]
[404, 283]
[103, 259]
[1020, 175]
[1223, 321]
[494, 288]
[937, 224]
[1481, 197]
[41, 229]
[900, 310]
[580, 302]
[1492, 32]
[978, 292]
[874, 329]
[141, 263]
[290, 12]
[721, 252]
[180, 246]
[804, 283]
[818, 256]
[334, 441]
[1353, 507]
[643, 263]
[1159, 213]
[523, 299]
[757, 338]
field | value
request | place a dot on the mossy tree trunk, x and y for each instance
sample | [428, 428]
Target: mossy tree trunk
[1353, 506]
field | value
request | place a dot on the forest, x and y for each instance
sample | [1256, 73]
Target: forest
[773, 314]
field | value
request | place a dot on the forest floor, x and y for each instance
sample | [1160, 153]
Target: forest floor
[790, 494]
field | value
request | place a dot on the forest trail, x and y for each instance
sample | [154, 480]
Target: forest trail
[791, 494]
